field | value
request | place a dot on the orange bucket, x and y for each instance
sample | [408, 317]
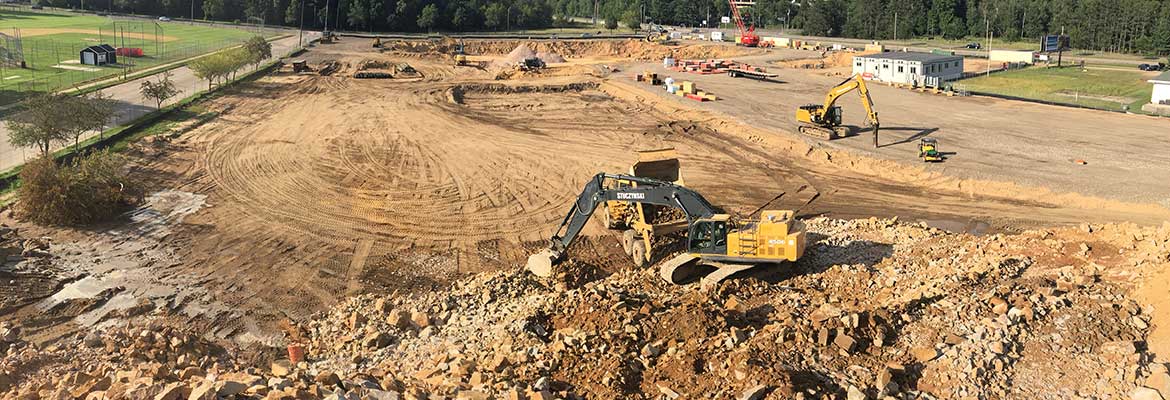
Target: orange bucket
[296, 353]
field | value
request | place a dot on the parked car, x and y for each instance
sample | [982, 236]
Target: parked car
[974, 46]
[164, 19]
[1149, 67]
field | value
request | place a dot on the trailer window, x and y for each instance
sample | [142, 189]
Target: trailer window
[900, 69]
[913, 70]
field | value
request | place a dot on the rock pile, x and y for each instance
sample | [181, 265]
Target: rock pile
[877, 309]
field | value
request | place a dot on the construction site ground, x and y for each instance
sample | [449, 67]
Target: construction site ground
[428, 191]
[983, 138]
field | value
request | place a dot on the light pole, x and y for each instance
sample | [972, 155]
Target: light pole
[301, 29]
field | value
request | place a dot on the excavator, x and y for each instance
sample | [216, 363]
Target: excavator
[714, 239]
[824, 120]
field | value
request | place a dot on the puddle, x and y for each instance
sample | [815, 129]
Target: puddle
[973, 227]
[130, 259]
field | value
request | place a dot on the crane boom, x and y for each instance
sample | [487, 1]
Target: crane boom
[747, 33]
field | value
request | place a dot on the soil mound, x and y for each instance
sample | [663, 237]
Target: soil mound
[550, 57]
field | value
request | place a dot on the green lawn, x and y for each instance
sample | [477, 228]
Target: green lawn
[50, 41]
[1107, 89]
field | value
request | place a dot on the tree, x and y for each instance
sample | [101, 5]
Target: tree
[495, 15]
[43, 121]
[631, 20]
[159, 91]
[611, 22]
[258, 49]
[52, 117]
[91, 188]
[428, 16]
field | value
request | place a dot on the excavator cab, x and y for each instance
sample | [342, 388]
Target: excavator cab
[709, 236]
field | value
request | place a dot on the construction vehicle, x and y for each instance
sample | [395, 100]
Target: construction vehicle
[645, 222]
[328, 37]
[658, 34]
[377, 43]
[460, 55]
[714, 239]
[928, 150]
[531, 64]
[747, 33]
[824, 120]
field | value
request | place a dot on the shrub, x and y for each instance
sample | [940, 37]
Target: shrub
[90, 189]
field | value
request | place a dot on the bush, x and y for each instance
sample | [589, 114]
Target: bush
[611, 22]
[93, 188]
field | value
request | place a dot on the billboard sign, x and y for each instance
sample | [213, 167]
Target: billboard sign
[725, 20]
[1054, 43]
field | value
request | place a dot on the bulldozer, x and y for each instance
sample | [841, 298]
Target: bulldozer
[824, 120]
[714, 240]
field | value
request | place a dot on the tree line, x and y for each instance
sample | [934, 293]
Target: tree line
[1134, 26]
[352, 15]
[1130, 26]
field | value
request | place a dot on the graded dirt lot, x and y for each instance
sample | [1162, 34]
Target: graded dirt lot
[305, 189]
[991, 140]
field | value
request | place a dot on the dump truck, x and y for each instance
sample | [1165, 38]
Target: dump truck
[715, 241]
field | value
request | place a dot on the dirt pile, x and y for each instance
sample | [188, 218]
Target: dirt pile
[549, 57]
[829, 59]
[520, 53]
[569, 49]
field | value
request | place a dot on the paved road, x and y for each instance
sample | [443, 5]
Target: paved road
[131, 105]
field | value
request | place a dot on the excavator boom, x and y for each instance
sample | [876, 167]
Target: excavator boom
[825, 118]
[648, 191]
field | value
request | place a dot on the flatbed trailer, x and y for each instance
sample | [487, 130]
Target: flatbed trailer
[744, 73]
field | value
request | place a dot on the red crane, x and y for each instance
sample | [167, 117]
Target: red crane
[747, 33]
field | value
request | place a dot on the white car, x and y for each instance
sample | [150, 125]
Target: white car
[164, 19]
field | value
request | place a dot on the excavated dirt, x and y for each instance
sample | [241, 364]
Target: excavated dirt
[426, 194]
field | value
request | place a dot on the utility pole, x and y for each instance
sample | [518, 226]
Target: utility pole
[192, 12]
[301, 28]
[895, 26]
[326, 15]
[596, 8]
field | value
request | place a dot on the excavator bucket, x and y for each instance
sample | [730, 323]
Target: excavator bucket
[660, 164]
[541, 263]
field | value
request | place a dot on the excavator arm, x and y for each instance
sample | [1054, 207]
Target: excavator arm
[856, 82]
[646, 191]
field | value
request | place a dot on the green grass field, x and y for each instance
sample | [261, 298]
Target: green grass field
[1103, 88]
[51, 43]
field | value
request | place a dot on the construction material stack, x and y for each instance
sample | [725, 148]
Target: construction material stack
[689, 90]
[648, 77]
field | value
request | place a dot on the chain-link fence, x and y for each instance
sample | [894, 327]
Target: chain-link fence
[31, 64]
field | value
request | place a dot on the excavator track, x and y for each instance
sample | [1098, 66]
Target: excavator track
[683, 268]
[824, 133]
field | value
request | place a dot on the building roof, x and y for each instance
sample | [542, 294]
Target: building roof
[1163, 78]
[101, 48]
[913, 56]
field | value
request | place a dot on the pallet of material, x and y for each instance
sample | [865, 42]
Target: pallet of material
[695, 97]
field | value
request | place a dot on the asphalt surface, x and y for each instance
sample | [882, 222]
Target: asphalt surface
[131, 104]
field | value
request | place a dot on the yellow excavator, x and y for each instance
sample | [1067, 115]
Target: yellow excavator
[824, 120]
[645, 209]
